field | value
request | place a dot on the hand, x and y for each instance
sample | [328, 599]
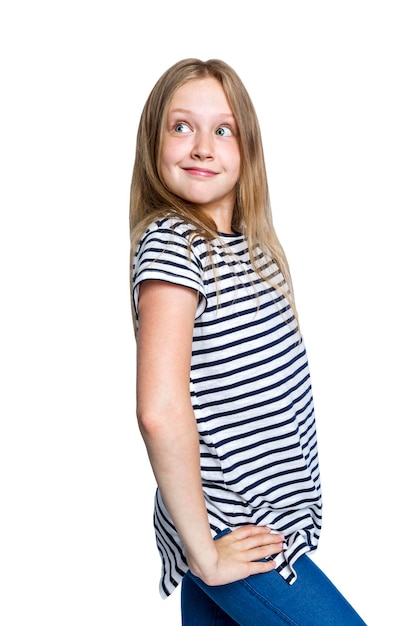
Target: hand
[239, 555]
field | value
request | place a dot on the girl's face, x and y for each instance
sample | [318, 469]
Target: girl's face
[200, 157]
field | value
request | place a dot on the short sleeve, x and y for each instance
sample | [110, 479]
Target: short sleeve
[165, 253]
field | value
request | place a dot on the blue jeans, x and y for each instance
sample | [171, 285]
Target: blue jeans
[267, 600]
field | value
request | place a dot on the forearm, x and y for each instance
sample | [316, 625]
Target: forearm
[173, 449]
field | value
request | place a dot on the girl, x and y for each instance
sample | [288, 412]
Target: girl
[224, 400]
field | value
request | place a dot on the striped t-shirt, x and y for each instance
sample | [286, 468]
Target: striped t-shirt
[251, 394]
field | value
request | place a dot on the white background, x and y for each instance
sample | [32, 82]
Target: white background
[334, 84]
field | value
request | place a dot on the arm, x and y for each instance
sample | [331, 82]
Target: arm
[168, 427]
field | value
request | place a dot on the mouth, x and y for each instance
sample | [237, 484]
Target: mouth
[199, 172]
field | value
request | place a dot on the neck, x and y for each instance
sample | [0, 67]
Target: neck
[222, 218]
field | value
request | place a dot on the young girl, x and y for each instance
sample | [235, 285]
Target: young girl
[224, 400]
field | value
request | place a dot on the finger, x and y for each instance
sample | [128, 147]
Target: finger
[261, 567]
[251, 531]
[261, 540]
[264, 552]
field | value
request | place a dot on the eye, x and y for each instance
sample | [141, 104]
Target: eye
[182, 127]
[224, 131]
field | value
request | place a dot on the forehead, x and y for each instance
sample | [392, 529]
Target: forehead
[201, 94]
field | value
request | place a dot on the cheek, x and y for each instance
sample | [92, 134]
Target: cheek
[235, 159]
[165, 161]
[171, 155]
[163, 156]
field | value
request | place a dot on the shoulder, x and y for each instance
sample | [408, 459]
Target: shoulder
[169, 228]
[170, 241]
[172, 236]
[169, 251]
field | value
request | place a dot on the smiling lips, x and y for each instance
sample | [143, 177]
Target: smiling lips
[197, 171]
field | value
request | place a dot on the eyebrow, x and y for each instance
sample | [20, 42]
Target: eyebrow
[189, 112]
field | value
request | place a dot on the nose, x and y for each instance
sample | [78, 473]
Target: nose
[203, 147]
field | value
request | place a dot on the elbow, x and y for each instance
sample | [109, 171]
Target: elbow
[152, 423]
[163, 420]
[147, 422]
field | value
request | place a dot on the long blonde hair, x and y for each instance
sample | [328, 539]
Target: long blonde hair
[150, 199]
